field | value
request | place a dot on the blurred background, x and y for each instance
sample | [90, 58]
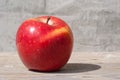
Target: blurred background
[95, 23]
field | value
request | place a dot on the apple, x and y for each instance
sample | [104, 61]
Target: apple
[44, 43]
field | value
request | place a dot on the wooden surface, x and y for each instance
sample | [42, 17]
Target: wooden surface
[81, 66]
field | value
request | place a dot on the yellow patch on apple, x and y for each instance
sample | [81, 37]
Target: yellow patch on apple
[56, 32]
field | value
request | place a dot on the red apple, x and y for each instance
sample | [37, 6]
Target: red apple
[44, 43]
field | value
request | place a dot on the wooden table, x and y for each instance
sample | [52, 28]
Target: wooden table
[81, 66]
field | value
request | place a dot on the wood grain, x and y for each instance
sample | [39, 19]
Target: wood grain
[81, 66]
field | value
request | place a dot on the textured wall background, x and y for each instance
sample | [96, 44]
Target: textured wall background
[95, 23]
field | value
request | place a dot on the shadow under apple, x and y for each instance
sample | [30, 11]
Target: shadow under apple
[79, 67]
[75, 68]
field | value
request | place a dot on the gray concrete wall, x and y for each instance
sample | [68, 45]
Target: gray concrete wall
[95, 23]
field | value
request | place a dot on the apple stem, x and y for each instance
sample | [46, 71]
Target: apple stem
[48, 20]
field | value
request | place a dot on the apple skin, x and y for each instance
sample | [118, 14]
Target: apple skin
[44, 43]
